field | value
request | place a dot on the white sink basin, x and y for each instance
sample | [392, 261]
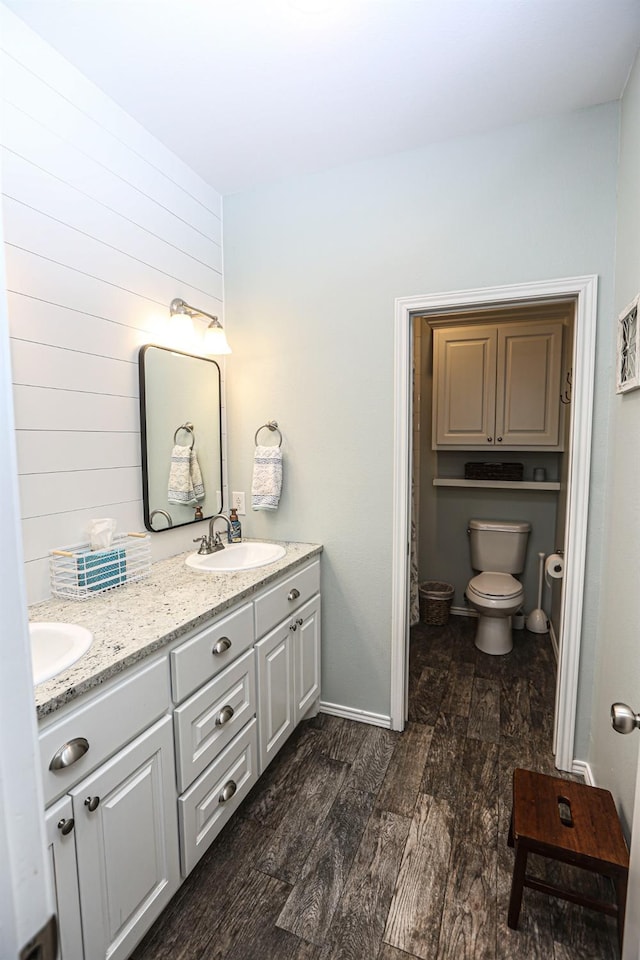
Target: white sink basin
[236, 556]
[55, 646]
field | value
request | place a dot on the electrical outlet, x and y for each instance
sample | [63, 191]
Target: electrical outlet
[237, 501]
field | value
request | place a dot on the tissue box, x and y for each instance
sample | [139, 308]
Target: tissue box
[102, 569]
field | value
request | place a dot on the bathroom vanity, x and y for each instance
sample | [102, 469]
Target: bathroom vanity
[150, 742]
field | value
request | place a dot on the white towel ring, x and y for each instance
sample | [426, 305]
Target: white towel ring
[270, 425]
[189, 428]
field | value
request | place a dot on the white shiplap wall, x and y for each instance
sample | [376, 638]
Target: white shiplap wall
[103, 228]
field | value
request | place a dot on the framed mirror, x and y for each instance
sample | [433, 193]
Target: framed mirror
[181, 435]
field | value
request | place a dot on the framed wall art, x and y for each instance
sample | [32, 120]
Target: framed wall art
[628, 355]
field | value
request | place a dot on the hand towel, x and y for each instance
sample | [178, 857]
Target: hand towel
[266, 486]
[185, 480]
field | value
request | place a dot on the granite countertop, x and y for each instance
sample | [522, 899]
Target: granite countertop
[133, 621]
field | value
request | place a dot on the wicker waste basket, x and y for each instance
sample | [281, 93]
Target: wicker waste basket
[435, 601]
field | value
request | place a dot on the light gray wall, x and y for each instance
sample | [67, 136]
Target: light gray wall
[312, 268]
[613, 758]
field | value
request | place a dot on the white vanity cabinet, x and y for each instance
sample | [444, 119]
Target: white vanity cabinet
[141, 774]
[127, 843]
[61, 846]
[215, 728]
[124, 866]
[497, 386]
[287, 658]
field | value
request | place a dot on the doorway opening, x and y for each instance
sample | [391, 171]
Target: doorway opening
[581, 292]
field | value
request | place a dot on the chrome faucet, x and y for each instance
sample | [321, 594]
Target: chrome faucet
[215, 543]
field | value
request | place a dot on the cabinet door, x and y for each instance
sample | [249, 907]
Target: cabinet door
[276, 715]
[528, 392]
[127, 845]
[62, 859]
[464, 370]
[306, 657]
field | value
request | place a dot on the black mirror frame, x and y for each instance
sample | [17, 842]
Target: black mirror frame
[143, 433]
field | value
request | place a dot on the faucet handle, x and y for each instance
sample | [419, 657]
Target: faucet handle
[205, 546]
[216, 543]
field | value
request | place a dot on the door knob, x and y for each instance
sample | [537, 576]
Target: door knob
[623, 719]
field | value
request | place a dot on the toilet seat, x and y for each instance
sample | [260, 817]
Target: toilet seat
[495, 586]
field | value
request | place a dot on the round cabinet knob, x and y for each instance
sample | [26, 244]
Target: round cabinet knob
[69, 753]
[91, 803]
[66, 826]
[489, 439]
[499, 439]
[224, 716]
[293, 594]
[221, 646]
[299, 621]
[293, 626]
[227, 791]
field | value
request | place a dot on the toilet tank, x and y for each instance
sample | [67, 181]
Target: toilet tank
[498, 545]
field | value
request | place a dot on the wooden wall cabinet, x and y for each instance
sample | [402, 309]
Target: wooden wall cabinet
[497, 386]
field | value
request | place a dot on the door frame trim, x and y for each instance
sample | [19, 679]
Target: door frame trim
[584, 291]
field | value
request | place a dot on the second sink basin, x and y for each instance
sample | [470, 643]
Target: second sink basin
[55, 646]
[237, 556]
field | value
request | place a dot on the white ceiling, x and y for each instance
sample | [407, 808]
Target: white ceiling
[247, 92]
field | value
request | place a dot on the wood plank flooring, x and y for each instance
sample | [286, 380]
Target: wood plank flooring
[363, 844]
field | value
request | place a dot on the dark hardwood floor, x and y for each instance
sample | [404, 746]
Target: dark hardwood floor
[363, 844]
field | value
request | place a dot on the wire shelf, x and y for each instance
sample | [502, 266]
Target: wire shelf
[79, 573]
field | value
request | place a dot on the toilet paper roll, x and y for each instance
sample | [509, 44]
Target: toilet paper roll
[554, 568]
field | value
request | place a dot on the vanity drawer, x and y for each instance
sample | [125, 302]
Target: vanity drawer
[211, 718]
[210, 651]
[203, 809]
[276, 604]
[107, 722]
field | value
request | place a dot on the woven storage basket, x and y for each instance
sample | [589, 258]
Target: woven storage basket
[474, 470]
[435, 601]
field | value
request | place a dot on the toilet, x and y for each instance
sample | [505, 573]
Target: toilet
[498, 550]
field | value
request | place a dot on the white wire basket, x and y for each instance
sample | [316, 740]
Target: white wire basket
[79, 573]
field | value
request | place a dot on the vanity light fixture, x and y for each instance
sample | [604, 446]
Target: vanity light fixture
[215, 341]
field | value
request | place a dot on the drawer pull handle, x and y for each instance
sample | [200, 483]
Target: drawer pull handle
[224, 716]
[293, 626]
[227, 791]
[65, 826]
[221, 646]
[69, 753]
[299, 621]
[91, 803]
[293, 594]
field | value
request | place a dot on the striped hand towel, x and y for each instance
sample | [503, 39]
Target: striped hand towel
[266, 486]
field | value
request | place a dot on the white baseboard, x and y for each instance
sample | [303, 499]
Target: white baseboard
[554, 640]
[463, 612]
[351, 713]
[583, 769]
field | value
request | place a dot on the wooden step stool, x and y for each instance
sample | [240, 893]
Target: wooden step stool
[572, 823]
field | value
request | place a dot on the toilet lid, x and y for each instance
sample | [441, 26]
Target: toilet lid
[500, 585]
